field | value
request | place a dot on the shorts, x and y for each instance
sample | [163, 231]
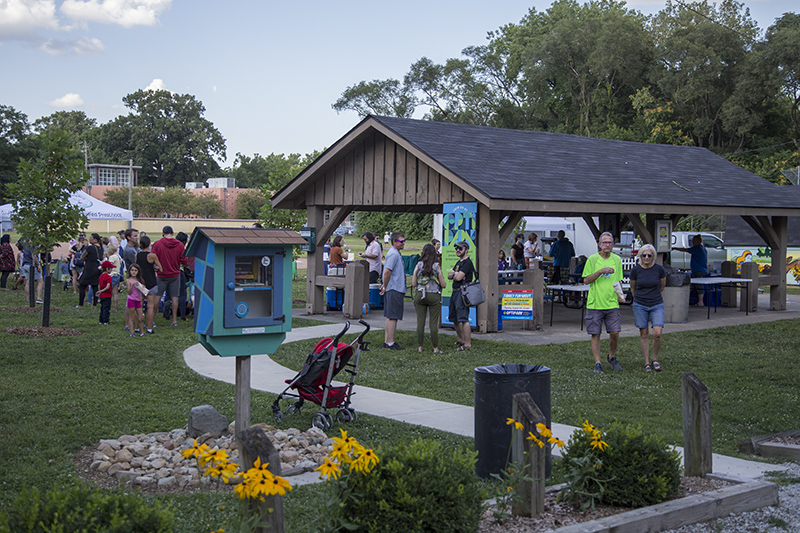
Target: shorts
[393, 305]
[643, 314]
[115, 279]
[134, 304]
[596, 317]
[373, 276]
[171, 284]
[153, 291]
[25, 272]
[459, 312]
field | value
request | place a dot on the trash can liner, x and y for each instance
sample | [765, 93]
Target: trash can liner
[495, 387]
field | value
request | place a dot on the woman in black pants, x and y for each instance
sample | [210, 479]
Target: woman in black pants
[91, 257]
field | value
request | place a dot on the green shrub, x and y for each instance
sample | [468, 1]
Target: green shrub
[417, 486]
[636, 470]
[79, 509]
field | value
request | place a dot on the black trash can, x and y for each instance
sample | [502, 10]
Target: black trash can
[494, 388]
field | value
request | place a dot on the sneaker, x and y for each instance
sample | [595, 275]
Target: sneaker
[39, 301]
[140, 334]
[598, 368]
[394, 346]
[131, 335]
[614, 364]
[150, 331]
[126, 328]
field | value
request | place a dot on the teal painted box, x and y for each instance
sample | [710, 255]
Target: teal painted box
[243, 288]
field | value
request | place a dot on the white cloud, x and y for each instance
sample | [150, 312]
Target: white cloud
[157, 85]
[20, 18]
[68, 101]
[126, 13]
[213, 89]
[83, 46]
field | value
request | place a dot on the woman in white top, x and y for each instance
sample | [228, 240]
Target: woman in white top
[531, 249]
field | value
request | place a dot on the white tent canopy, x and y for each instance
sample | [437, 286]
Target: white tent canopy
[93, 208]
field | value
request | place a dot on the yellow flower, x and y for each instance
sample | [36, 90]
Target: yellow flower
[535, 439]
[509, 489]
[518, 425]
[597, 443]
[215, 457]
[544, 431]
[194, 451]
[329, 469]
[587, 427]
[366, 461]
[278, 485]
[558, 442]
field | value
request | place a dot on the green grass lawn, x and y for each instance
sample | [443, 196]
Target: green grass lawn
[60, 394]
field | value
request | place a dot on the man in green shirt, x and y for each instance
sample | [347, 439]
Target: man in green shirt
[601, 272]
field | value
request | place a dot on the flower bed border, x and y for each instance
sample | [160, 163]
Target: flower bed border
[742, 497]
[775, 450]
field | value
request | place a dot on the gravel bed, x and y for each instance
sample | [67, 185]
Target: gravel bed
[783, 518]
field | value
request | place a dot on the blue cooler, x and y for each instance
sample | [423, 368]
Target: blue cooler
[375, 297]
[335, 298]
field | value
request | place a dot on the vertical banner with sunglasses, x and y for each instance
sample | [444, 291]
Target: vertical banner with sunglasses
[459, 223]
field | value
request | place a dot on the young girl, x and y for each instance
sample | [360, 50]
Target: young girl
[136, 288]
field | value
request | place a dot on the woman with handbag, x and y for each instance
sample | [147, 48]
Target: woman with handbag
[427, 283]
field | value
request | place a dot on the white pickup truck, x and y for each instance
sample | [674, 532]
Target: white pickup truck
[683, 239]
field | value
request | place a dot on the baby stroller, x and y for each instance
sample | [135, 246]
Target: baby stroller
[313, 382]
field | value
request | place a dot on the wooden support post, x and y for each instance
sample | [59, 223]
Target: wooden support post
[529, 500]
[315, 295]
[696, 425]
[729, 292]
[750, 271]
[253, 444]
[356, 289]
[778, 253]
[242, 395]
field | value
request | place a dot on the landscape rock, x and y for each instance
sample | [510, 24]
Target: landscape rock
[206, 419]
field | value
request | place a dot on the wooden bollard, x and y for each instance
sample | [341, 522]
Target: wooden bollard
[696, 425]
[254, 443]
[530, 494]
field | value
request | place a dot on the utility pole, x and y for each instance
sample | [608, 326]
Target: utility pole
[130, 189]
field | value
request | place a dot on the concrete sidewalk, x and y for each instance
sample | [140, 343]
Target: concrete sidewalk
[268, 376]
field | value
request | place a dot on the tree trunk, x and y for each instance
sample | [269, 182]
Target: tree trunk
[48, 283]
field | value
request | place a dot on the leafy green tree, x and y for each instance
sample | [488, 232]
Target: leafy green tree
[42, 213]
[782, 49]
[77, 125]
[175, 202]
[253, 172]
[285, 171]
[415, 226]
[702, 50]
[249, 204]
[167, 135]
[378, 97]
[15, 144]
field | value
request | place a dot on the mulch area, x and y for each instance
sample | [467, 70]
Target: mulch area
[38, 331]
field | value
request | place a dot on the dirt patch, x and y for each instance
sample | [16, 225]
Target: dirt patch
[558, 514]
[28, 309]
[39, 331]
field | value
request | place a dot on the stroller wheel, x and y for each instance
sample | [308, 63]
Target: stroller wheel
[323, 421]
[353, 413]
[293, 409]
[278, 416]
[344, 416]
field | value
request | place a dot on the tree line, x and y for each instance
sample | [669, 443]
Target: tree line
[695, 74]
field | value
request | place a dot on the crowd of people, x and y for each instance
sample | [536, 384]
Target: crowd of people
[154, 275]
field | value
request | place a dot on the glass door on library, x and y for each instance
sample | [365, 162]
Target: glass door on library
[253, 288]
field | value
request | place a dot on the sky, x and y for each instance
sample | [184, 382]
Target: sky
[267, 72]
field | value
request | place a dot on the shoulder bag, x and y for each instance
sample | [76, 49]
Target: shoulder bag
[472, 292]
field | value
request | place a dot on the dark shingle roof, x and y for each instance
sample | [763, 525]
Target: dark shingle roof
[533, 165]
[739, 233]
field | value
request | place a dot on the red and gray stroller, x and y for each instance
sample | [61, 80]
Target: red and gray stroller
[313, 382]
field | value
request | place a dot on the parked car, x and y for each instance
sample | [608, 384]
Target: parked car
[628, 245]
[683, 239]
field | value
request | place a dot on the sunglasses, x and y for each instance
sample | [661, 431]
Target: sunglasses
[647, 255]
[458, 248]
[401, 241]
